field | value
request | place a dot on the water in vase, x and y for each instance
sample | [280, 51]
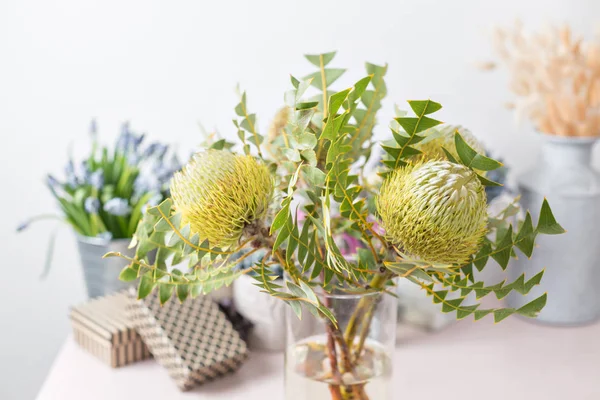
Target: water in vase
[309, 375]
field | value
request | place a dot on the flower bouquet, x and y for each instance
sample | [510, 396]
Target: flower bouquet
[104, 197]
[427, 222]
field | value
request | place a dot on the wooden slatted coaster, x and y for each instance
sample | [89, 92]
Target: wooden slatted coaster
[102, 327]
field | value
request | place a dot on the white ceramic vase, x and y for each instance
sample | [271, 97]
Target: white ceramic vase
[564, 176]
[266, 313]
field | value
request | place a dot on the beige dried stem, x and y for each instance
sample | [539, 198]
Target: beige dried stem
[555, 77]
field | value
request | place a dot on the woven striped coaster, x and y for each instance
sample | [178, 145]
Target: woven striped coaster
[102, 327]
[194, 341]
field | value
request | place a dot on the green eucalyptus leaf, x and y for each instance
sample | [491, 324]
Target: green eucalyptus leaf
[146, 285]
[314, 175]
[183, 292]
[296, 307]
[295, 82]
[331, 75]
[128, 274]
[292, 155]
[319, 60]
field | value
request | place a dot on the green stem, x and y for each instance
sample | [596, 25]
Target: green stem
[378, 282]
[354, 392]
[336, 393]
[366, 324]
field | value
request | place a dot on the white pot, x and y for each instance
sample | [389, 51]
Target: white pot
[565, 176]
[267, 313]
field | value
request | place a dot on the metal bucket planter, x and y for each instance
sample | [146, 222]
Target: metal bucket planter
[102, 274]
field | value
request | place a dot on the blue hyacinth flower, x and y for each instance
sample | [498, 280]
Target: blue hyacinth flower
[91, 205]
[118, 207]
[97, 179]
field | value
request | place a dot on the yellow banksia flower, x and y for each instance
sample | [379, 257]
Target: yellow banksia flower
[444, 137]
[435, 210]
[219, 193]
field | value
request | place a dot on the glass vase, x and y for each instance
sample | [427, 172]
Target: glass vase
[350, 360]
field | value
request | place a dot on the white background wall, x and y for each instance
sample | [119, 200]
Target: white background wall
[165, 65]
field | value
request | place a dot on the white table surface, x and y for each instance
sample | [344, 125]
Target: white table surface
[512, 360]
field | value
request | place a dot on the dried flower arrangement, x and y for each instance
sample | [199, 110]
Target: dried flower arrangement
[555, 76]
